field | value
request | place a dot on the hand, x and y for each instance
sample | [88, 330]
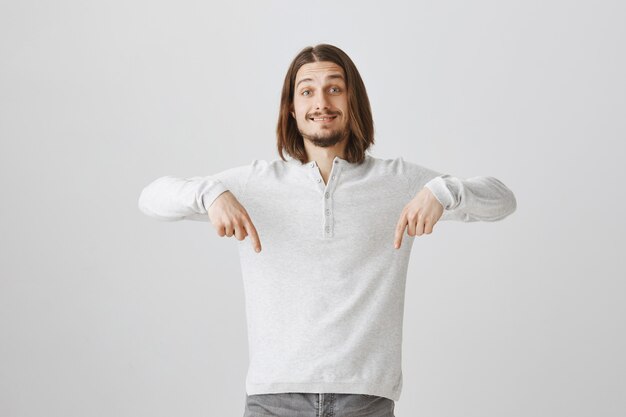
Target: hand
[420, 214]
[229, 217]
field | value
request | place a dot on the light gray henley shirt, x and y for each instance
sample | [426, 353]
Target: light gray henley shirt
[325, 296]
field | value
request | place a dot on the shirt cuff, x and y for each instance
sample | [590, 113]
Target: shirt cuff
[438, 187]
[210, 196]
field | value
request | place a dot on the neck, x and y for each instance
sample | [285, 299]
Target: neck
[325, 156]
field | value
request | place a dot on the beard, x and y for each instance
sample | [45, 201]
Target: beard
[325, 139]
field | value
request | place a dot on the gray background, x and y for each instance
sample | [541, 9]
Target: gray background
[107, 312]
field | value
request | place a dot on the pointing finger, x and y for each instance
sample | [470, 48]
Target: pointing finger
[256, 242]
[400, 227]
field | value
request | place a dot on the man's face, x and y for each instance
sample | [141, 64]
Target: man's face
[321, 92]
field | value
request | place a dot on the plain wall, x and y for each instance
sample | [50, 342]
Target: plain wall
[107, 312]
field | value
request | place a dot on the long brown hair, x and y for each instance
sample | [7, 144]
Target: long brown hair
[359, 115]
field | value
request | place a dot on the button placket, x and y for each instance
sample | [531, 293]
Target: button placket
[328, 212]
[327, 191]
[315, 174]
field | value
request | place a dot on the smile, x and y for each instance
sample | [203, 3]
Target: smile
[323, 119]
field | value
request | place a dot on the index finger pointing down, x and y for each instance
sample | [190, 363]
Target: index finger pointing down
[256, 242]
[400, 227]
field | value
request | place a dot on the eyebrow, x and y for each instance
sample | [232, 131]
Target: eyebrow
[331, 76]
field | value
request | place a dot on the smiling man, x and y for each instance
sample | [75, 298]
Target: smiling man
[325, 271]
[322, 124]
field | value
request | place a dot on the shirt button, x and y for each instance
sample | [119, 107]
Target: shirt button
[327, 212]
[336, 161]
[318, 180]
[333, 177]
[327, 194]
[327, 229]
[312, 164]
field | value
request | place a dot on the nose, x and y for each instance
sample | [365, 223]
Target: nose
[322, 102]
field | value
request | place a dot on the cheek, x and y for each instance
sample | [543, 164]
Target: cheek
[342, 105]
[300, 112]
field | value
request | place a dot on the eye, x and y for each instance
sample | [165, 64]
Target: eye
[337, 88]
[304, 92]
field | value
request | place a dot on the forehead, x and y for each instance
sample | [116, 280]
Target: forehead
[318, 71]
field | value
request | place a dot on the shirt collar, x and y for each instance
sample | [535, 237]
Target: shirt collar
[337, 160]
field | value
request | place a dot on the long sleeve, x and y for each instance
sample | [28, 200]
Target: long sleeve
[480, 198]
[171, 198]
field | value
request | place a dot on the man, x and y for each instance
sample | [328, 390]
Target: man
[325, 271]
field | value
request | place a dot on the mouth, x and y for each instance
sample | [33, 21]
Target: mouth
[323, 119]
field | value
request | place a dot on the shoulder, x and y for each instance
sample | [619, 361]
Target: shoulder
[393, 166]
[274, 167]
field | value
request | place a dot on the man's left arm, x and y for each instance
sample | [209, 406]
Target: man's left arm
[434, 196]
[480, 198]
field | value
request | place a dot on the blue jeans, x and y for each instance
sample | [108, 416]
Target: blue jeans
[305, 404]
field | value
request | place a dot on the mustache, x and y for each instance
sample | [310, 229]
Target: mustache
[322, 114]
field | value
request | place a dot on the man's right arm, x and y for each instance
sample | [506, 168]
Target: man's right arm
[171, 198]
